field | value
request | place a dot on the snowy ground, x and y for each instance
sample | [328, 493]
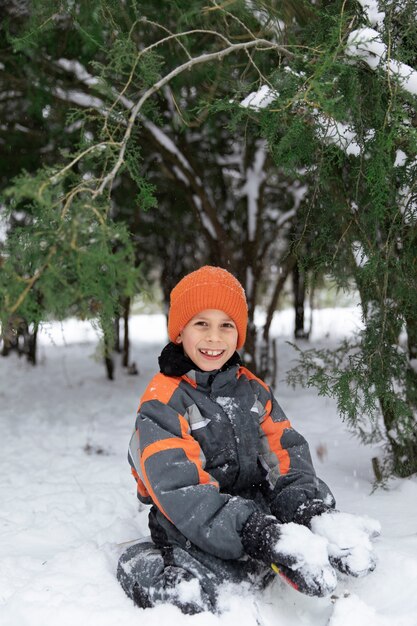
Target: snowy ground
[68, 504]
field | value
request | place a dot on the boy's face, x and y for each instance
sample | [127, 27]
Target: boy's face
[209, 339]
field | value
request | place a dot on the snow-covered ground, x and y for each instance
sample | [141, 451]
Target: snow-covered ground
[68, 505]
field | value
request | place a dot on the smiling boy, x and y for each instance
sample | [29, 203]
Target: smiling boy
[231, 484]
[209, 339]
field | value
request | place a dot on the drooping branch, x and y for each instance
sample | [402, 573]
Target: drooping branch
[203, 58]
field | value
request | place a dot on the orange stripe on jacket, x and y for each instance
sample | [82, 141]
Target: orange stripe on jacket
[190, 381]
[160, 388]
[149, 487]
[192, 451]
[141, 487]
[273, 432]
[243, 371]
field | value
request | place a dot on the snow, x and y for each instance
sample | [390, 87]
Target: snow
[342, 135]
[205, 218]
[78, 69]
[78, 97]
[3, 225]
[259, 99]
[372, 12]
[366, 44]
[310, 552]
[349, 538]
[359, 254]
[400, 158]
[255, 176]
[167, 143]
[328, 129]
[68, 504]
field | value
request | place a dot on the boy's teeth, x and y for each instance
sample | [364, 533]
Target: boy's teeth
[212, 352]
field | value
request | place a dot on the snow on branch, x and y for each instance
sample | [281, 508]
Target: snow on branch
[365, 44]
[198, 60]
[260, 99]
[205, 219]
[71, 65]
[327, 128]
[339, 134]
[255, 176]
[183, 171]
[372, 12]
[77, 97]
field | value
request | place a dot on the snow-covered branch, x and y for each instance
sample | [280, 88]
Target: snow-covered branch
[372, 12]
[181, 168]
[260, 99]
[255, 176]
[365, 44]
[198, 60]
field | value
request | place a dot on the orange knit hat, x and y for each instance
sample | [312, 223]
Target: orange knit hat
[208, 288]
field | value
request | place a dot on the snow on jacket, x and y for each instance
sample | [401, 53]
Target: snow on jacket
[210, 448]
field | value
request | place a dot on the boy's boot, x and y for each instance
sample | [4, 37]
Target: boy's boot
[149, 576]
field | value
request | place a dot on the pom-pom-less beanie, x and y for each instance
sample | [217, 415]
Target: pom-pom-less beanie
[208, 288]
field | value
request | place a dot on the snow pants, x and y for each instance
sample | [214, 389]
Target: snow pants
[186, 577]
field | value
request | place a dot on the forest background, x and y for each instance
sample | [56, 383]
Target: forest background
[141, 139]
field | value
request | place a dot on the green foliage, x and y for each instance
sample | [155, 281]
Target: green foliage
[66, 258]
[98, 195]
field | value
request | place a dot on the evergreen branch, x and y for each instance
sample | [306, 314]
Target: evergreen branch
[195, 31]
[233, 17]
[170, 33]
[203, 58]
[54, 179]
[70, 196]
[219, 7]
[31, 281]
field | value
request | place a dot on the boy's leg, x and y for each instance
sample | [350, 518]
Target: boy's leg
[151, 575]
[187, 578]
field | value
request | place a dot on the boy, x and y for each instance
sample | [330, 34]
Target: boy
[233, 490]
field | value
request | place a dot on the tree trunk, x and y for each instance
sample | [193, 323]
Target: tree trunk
[299, 291]
[117, 347]
[404, 455]
[31, 341]
[267, 361]
[411, 323]
[126, 342]
[108, 358]
[403, 448]
[14, 335]
[249, 352]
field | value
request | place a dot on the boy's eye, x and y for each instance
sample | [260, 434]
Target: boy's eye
[228, 325]
[200, 323]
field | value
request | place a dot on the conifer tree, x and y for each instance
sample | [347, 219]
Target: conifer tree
[327, 87]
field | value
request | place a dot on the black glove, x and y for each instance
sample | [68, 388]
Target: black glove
[293, 551]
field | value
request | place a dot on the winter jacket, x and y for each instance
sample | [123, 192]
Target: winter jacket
[210, 448]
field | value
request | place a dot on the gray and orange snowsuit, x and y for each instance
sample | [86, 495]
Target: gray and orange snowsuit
[209, 449]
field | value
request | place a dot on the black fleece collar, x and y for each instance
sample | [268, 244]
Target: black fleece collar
[173, 362]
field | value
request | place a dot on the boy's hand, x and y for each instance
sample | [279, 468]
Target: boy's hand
[349, 540]
[293, 551]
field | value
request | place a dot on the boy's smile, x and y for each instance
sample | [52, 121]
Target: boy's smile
[209, 339]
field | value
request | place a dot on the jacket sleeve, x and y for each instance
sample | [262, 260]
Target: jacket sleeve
[292, 481]
[170, 463]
